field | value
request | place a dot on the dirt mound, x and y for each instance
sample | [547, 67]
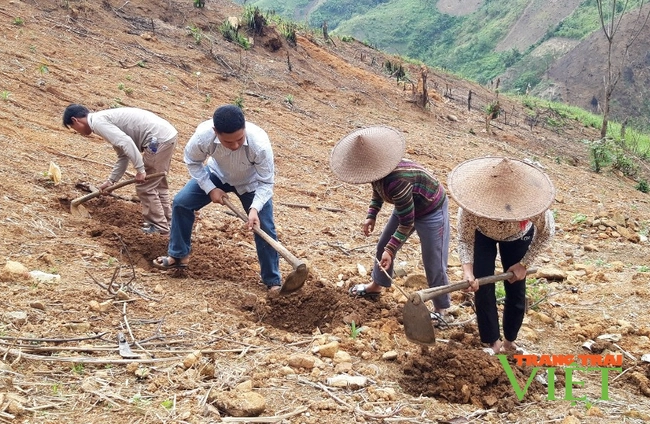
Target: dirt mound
[456, 374]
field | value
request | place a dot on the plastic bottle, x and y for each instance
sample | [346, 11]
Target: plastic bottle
[153, 145]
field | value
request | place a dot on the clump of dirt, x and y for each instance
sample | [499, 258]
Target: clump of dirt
[320, 306]
[227, 251]
[457, 374]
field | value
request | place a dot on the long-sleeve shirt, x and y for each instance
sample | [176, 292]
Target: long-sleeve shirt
[413, 191]
[129, 130]
[468, 223]
[249, 168]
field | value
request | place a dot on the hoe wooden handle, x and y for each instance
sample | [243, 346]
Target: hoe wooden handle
[295, 262]
[94, 194]
[428, 294]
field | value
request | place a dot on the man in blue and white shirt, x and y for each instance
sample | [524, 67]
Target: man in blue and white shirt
[240, 161]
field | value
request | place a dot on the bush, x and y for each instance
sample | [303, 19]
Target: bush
[642, 186]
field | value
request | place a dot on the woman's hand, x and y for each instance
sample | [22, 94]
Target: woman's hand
[368, 226]
[386, 260]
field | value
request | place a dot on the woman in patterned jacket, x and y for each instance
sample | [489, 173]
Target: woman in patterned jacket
[503, 205]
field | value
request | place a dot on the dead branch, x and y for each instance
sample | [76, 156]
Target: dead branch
[84, 360]
[74, 339]
[297, 205]
[84, 159]
[273, 419]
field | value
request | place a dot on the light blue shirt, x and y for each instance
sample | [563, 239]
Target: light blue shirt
[249, 168]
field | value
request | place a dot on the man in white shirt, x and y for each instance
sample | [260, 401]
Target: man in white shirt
[141, 138]
[240, 161]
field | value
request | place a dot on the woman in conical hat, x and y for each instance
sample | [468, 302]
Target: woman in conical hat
[374, 155]
[504, 204]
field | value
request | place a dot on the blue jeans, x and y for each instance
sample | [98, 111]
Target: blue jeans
[433, 230]
[191, 198]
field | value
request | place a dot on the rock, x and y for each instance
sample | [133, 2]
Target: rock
[191, 359]
[287, 371]
[121, 295]
[416, 281]
[544, 318]
[570, 419]
[239, 404]
[551, 273]
[14, 271]
[452, 118]
[78, 326]
[343, 367]
[245, 386]
[590, 248]
[391, 355]
[327, 350]
[342, 356]
[345, 380]
[16, 317]
[301, 361]
[44, 277]
[588, 269]
[37, 304]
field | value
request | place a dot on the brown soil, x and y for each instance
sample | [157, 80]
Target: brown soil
[79, 51]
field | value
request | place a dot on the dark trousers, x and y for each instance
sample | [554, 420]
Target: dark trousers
[511, 252]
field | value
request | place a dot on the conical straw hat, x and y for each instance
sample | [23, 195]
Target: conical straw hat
[500, 188]
[367, 155]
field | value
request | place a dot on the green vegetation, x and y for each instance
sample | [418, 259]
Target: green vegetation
[232, 34]
[18, 21]
[78, 369]
[354, 330]
[196, 33]
[578, 219]
[239, 102]
[168, 404]
[4, 95]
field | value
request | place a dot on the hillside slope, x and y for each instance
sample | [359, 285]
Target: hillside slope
[519, 42]
[209, 337]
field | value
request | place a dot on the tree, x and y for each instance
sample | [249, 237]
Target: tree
[611, 13]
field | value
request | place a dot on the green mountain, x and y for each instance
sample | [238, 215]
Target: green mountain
[519, 43]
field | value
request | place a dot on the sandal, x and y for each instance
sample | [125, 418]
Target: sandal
[163, 262]
[360, 291]
[438, 320]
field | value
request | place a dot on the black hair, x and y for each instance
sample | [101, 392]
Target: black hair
[74, 111]
[228, 119]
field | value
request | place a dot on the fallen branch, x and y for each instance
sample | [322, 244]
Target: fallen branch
[84, 360]
[273, 419]
[29, 339]
[326, 390]
[297, 205]
[83, 159]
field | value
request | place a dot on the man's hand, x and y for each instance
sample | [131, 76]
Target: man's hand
[216, 195]
[140, 177]
[368, 226]
[106, 184]
[253, 219]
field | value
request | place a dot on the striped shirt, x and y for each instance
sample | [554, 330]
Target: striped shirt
[249, 168]
[468, 224]
[414, 191]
